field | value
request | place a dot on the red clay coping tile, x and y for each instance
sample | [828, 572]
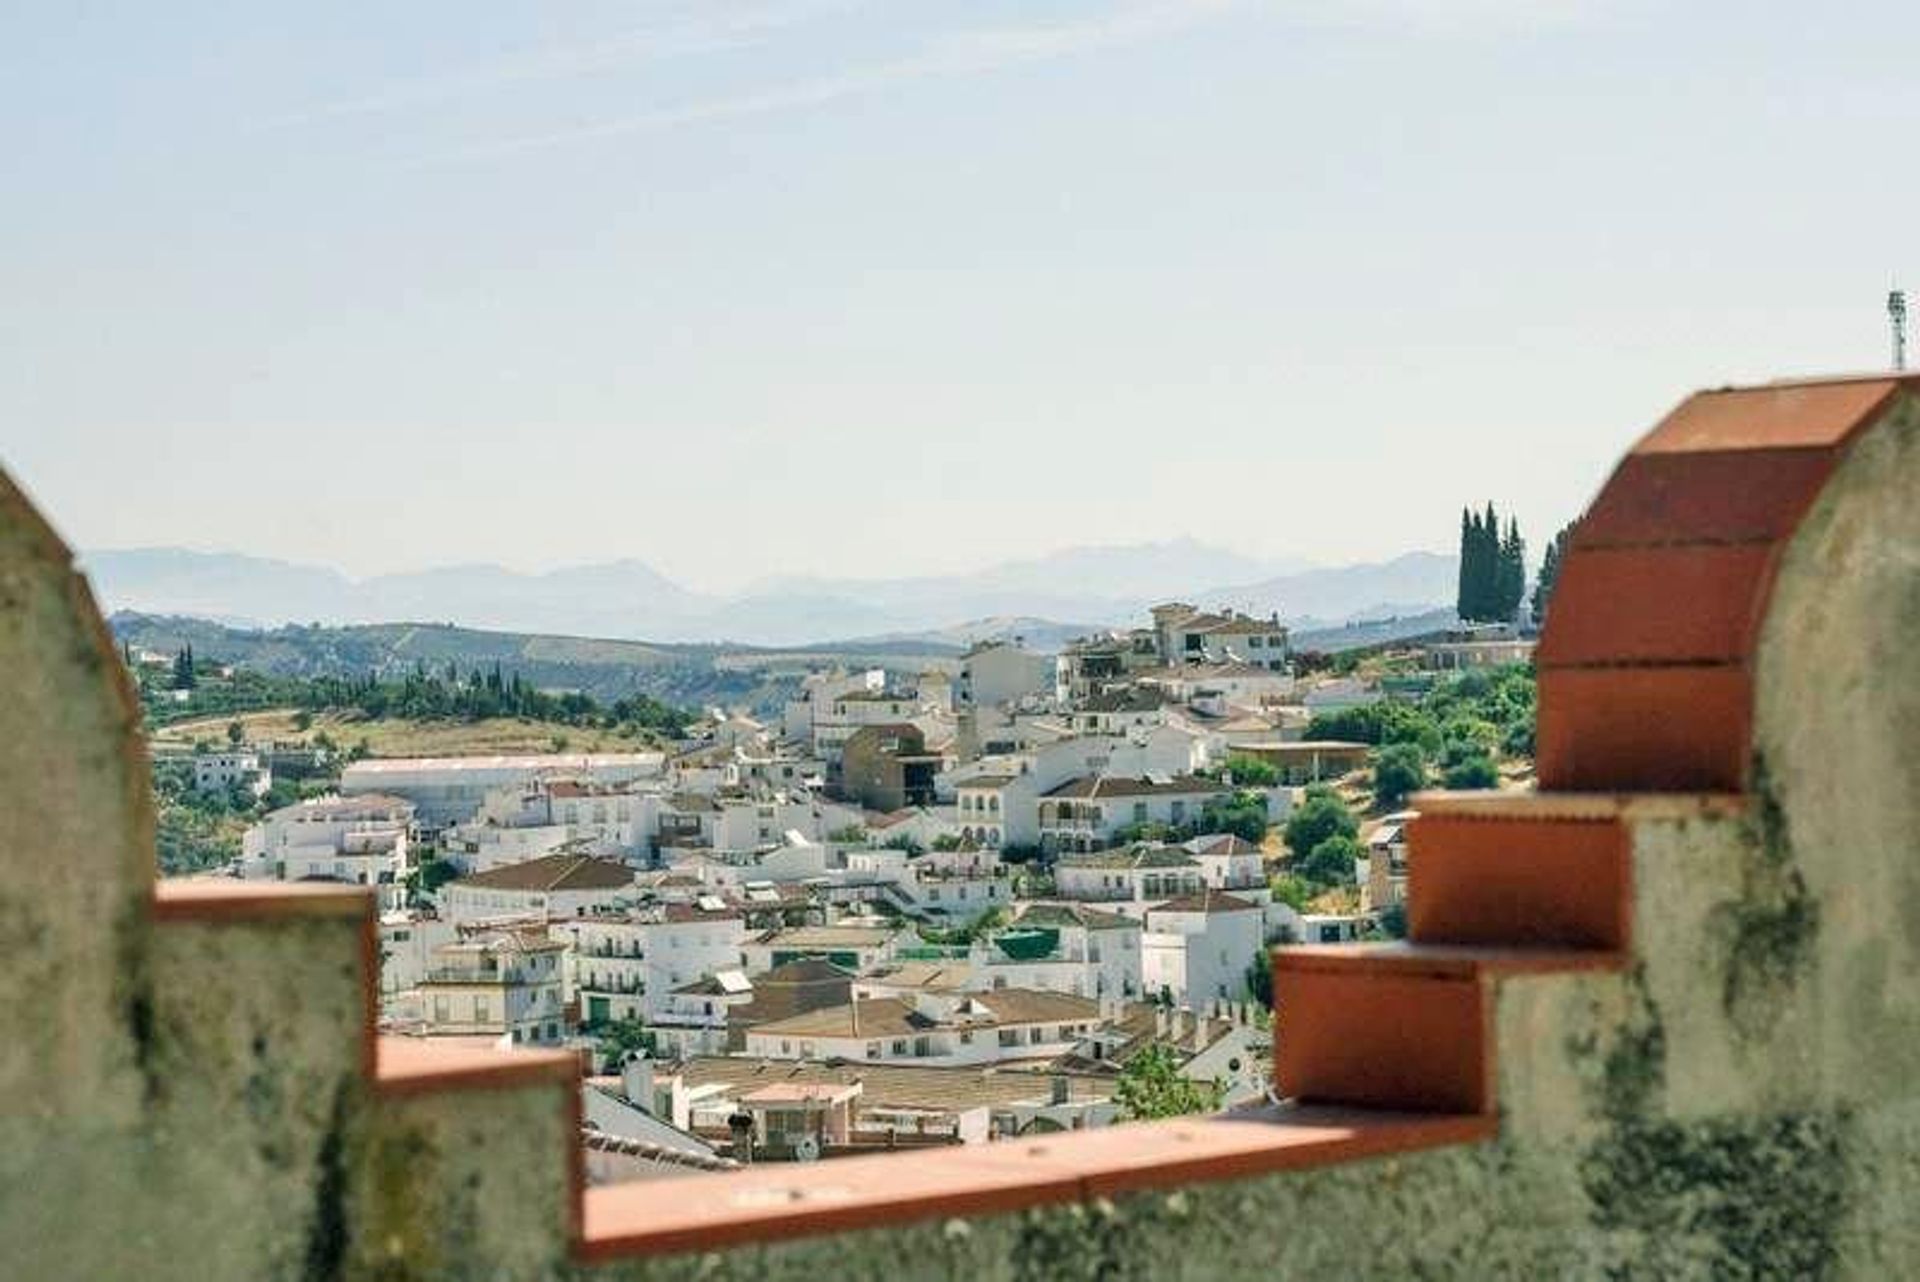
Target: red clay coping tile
[1546, 883]
[411, 1065]
[1577, 807]
[1441, 961]
[1657, 604]
[1677, 728]
[1378, 1038]
[1782, 416]
[212, 899]
[1731, 496]
[790, 1200]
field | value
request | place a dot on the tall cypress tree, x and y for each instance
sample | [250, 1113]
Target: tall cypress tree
[1493, 567]
[1463, 600]
[1550, 563]
[1512, 573]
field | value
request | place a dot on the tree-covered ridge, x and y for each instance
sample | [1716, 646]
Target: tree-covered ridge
[422, 695]
[475, 695]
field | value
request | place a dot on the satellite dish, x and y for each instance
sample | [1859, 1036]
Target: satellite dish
[806, 1149]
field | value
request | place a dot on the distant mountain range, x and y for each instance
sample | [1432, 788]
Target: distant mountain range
[1047, 599]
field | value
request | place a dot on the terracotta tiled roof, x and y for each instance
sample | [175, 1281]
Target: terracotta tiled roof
[1073, 915]
[1141, 854]
[1208, 901]
[1222, 843]
[554, 872]
[1089, 787]
[935, 1088]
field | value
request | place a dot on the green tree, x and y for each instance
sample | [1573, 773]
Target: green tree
[618, 1037]
[1330, 863]
[1469, 766]
[1320, 816]
[1260, 977]
[1398, 769]
[1510, 577]
[184, 676]
[1151, 1086]
[1244, 814]
[236, 733]
[303, 721]
[1550, 563]
[1294, 891]
[1251, 772]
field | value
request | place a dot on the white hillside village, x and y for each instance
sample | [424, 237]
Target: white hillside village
[902, 913]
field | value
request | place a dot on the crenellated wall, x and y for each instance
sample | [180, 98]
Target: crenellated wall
[1660, 1020]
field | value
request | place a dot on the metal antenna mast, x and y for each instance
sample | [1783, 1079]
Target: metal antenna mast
[1897, 314]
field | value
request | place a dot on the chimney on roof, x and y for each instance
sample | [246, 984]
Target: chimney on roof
[636, 1080]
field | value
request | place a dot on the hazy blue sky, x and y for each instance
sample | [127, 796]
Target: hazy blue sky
[745, 288]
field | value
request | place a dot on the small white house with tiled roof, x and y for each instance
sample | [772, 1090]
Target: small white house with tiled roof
[1197, 948]
[1083, 814]
[1065, 948]
[1229, 861]
[566, 884]
[934, 1028]
[1133, 875]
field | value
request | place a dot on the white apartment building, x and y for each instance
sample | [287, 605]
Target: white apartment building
[693, 1018]
[506, 984]
[626, 965]
[1184, 634]
[996, 673]
[1121, 710]
[1213, 685]
[995, 810]
[837, 719]
[362, 841]
[408, 938]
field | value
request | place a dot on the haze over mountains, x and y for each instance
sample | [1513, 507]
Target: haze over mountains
[1072, 589]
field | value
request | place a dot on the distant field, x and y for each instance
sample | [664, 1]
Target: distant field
[400, 738]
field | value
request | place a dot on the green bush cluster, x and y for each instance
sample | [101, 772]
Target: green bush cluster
[1455, 733]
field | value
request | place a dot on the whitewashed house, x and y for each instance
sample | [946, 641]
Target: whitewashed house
[505, 984]
[241, 768]
[362, 841]
[627, 964]
[553, 886]
[1084, 814]
[1065, 948]
[934, 1028]
[1197, 948]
